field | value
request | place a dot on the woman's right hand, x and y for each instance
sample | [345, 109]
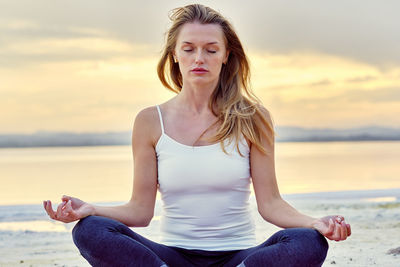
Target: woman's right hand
[71, 209]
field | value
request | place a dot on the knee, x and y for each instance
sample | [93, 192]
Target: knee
[316, 243]
[86, 230]
[308, 244]
[80, 229]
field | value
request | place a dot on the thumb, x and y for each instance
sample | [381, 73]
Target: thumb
[65, 198]
[330, 227]
[68, 207]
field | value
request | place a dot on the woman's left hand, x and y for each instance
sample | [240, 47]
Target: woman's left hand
[333, 227]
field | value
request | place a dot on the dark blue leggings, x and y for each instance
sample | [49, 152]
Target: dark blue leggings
[106, 242]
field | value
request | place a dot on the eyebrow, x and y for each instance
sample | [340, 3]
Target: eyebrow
[186, 42]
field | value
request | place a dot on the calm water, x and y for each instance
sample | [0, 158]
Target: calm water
[30, 175]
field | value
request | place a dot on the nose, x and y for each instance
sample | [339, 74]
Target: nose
[199, 57]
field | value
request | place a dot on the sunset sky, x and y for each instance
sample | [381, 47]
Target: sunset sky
[90, 66]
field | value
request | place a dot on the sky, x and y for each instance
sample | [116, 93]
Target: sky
[90, 66]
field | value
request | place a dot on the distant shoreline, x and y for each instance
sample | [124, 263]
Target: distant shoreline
[284, 134]
[310, 196]
[346, 194]
[125, 144]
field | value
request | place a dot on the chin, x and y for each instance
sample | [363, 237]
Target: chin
[201, 81]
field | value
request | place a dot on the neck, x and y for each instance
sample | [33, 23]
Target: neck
[194, 99]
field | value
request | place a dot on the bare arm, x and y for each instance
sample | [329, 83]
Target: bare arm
[270, 204]
[140, 209]
[277, 211]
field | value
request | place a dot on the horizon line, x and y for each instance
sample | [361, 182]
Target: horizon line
[277, 126]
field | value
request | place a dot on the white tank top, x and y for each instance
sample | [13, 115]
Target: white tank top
[205, 195]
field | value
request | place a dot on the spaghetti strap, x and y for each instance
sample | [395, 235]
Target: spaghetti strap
[161, 120]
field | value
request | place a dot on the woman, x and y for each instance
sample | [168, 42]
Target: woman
[201, 149]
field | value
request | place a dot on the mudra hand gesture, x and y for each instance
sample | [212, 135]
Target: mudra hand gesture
[333, 227]
[69, 210]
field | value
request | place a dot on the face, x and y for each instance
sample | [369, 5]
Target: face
[200, 50]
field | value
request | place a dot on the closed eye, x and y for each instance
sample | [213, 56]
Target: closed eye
[209, 51]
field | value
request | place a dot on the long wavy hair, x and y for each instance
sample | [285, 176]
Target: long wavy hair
[238, 110]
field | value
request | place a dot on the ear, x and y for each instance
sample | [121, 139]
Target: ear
[174, 56]
[226, 56]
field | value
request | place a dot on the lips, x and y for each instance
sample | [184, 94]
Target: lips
[199, 70]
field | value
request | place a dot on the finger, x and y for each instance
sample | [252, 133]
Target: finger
[339, 218]
[343, 231]
[50, 210]
[348, 229]
[65, 198]
[59, 210]
[68, 207]
[70, 210]
[336, 233]
[331, 227]
[45, 206]
[63, 206]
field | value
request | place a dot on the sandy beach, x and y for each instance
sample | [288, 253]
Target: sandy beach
[29, 238]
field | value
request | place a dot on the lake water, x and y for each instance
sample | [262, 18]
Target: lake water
[104, 173]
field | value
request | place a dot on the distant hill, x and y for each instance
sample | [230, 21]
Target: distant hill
[284, 134]
[297, 134]
[39, 139]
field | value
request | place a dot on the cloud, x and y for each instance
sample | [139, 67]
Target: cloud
[363, 30]
[91, 65]
[79, 95]
[322, 82]
[47, 44]
[325, 91]
[361, 79]
[310, 71]
[391, 94]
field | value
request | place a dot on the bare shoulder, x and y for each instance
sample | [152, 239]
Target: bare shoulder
[147, 115]
[147, 127]
[265, 126]
[266, 114]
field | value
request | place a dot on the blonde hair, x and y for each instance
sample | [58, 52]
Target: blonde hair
[232, 102]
